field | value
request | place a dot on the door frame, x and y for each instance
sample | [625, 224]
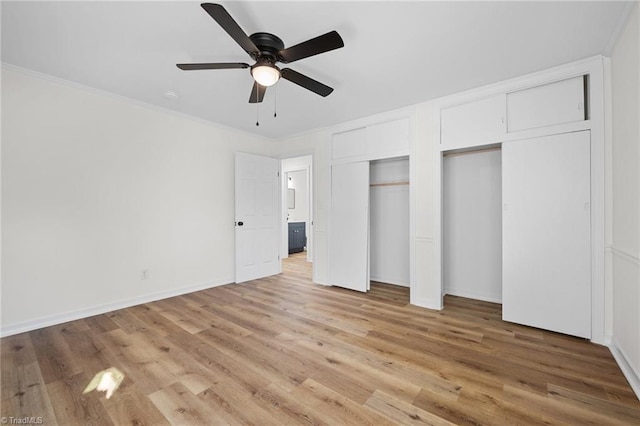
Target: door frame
[302, 163]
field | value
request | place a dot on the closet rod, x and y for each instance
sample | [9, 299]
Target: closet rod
[475, 151]
[390, 184]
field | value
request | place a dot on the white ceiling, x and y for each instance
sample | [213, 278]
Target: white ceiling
[396, 53]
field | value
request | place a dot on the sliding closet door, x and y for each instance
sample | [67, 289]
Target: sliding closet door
[546, 233]
[349, 221]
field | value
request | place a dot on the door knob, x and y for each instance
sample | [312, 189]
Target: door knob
[240, 223]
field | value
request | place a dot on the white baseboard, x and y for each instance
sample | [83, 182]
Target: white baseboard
[24, 326]
[455, 292]
[632, 376]
[388, 281]
[426, 303]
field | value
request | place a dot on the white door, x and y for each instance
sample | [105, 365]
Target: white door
[546, 233]
[257, 217]
[349, 221]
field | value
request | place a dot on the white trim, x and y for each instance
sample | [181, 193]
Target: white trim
[328, 137]
[371, 120]
[384, 280]
[438, 203]
[105, 93]
[29, 325]
[617, 32]
[425, 239]
[634, 259]
[608, 200]
[631, 376]
[318, 235]
[373, 157]
[559, 129]
[427, 303]
[550, 75]
[413, 283]
[597, 102]
[466, 294]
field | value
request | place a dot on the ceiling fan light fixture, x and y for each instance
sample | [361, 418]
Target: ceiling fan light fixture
[265, 74]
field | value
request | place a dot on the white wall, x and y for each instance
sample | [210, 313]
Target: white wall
[472, 225]
[95, 189]
[389, 222]
[625, 238]
[298, 181]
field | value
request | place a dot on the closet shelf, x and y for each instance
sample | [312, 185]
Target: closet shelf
[390, 184]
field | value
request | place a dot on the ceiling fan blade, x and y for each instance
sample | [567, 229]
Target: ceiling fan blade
[213, 66]
[257, 93]
[315, 46]
[306, 82]
[222, 17]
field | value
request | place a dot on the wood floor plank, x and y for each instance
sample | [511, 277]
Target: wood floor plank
[55, 358]
[24, 394]
[89, 351]
[132, 407]
[100, 323]
[422, 378]
[181, 407]
[237, 404]
[220, 364]
[131, 355]
[289, 408]
[403, 413]
[275, 365]
[368, 375]
[344, 410]
[526, 402]
[153, 320]
[71, 407]
[17, 350]
[596, 405]
[127, 321]
[283, 351]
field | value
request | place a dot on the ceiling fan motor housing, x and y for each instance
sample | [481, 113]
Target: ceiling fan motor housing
[269, 45]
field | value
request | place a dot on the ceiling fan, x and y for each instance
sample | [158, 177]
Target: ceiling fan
[267, 50]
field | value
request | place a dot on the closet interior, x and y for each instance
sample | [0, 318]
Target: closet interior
[472, 224]
[389, 221]
[516, 204]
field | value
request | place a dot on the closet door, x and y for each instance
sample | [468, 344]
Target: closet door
[349, 221]
[546, 233]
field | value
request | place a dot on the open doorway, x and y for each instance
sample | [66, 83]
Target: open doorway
[297, 208]
[389, 221]
[472, 224]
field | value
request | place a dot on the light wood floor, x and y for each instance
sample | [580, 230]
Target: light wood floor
[285, 351]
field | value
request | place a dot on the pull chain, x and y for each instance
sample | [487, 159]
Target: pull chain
[275, 102]
[257, 107]
[257, 115]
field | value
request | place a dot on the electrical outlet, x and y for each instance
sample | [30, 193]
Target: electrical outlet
[144, 275]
